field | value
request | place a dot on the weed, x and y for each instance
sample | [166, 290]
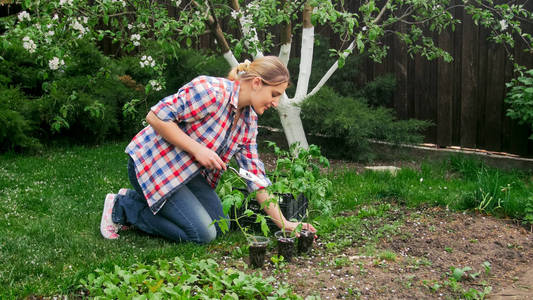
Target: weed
[279, 262]
[448, 249]
[487, 267]
[528, 213]
[388, 255]
[342, 261]
[473, 294]
[458, 273]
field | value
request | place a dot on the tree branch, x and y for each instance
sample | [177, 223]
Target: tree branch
[383, 9]
[331, 70]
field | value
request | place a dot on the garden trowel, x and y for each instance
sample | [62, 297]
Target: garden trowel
[249, 176]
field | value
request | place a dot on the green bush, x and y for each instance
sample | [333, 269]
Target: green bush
[354, 122]
[19, 69]
[520, 98]
[15, 129]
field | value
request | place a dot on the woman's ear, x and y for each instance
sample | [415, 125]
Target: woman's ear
[257, 83]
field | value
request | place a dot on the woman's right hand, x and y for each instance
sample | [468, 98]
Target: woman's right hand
[209, 159]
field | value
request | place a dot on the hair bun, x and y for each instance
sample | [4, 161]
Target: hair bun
[243, 67]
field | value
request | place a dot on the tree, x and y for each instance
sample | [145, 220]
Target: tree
[48, 29]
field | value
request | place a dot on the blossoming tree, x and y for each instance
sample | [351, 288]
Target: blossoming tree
[48, 30]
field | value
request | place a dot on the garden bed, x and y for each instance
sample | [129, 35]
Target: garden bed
[410, 254]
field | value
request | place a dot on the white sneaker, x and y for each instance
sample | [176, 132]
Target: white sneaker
[107, 227]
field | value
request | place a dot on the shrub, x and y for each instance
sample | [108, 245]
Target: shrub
[15, 129]
[520, 98]
[354, 122]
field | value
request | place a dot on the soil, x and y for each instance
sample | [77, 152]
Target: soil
[257, 256]
[413, 259]
[427, 244]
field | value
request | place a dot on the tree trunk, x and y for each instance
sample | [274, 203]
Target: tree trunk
[291, 122]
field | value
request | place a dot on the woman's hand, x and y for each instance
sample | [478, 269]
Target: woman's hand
[291, 226]
[209, 159]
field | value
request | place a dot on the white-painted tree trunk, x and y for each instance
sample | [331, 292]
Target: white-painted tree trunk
[289, 115]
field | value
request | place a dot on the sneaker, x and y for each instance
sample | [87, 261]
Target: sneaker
[107, 227]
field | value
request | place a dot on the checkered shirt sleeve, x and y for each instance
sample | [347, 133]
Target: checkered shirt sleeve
[192, 102]
[248, 159]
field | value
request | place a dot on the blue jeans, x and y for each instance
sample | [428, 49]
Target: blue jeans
[186, 216]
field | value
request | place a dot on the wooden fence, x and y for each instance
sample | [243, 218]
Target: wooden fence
[465, 98]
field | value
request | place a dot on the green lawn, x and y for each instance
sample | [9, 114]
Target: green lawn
[51, 208]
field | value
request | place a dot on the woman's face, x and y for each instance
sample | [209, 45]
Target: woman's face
[266, 96]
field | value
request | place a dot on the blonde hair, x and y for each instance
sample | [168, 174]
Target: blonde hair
[269, 68]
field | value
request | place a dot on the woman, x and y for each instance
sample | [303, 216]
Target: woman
[176, 162]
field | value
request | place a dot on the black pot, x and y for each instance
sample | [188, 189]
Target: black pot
[257, 249]
[286, 245]
[305, 241]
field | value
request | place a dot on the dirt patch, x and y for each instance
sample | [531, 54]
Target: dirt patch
[427, 253]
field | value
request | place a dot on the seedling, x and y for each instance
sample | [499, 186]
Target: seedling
[279, 262]
[458, 273]
[486, 265]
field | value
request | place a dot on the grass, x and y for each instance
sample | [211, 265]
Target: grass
[51, 208]
[458, 183]
[50, 216]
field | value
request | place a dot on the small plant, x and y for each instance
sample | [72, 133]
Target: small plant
[458, 273]
[528, 213]
[475, 294]
[234, 198]
[388, 256]
[278, 261]
[448, 249]
[520, 97]
[487, 267]
[298, 172]
[342, 262]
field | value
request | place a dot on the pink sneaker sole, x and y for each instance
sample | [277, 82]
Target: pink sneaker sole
[108, 229]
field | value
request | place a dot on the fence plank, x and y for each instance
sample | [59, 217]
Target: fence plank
[493, 101]
[399, 54]
[458, 59]
[469, 84]
[445, 85]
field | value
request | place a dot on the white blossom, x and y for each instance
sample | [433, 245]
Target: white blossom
[55, 63]
[234, 14]
[50, 33]
[135, 38]
[155, 85]
[63, 2]
[24, 15]
[76, 25]
[130, 26]
[55, 17]
[147, 61]
[421, 179]
[503, 25]
[28, 44]
[178, 3]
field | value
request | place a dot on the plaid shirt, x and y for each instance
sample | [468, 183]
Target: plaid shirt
[204, 109]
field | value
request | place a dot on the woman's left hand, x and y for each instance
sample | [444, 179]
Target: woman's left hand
[291, 226]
